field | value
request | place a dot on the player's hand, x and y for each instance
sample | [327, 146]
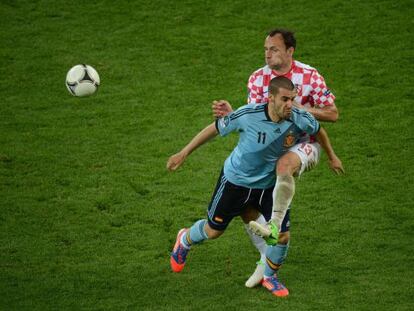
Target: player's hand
[221, 108]
[311, 165]
[335, 165]
[175, 161]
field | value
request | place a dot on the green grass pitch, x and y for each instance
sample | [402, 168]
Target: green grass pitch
[88, 212]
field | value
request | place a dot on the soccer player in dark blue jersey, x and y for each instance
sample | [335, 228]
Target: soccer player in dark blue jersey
[248, 177]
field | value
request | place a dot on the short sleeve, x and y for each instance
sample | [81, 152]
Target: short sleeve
[305, 121]
[227, 124]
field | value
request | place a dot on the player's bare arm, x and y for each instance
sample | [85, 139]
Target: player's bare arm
[176, 160]
[335, 163]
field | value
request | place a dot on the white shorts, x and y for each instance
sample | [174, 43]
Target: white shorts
[309, 154]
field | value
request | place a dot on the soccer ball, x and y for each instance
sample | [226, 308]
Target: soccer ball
[82, 80]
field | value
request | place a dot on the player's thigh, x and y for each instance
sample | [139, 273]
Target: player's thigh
[289, 164]
[249, 213]
[303, 157]
[227, 202]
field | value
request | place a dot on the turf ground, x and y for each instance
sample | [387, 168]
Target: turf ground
[88, 211]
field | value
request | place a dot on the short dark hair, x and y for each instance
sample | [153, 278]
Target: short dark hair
[287, 35]
[280, 83]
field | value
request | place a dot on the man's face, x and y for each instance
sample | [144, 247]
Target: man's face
[276, 54]
[282, 102]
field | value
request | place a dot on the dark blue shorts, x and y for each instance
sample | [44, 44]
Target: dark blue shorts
[230, 200]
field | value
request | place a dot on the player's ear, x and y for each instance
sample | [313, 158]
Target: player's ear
[290, 51]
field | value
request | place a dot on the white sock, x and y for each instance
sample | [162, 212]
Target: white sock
[258, 241]
[282, 197]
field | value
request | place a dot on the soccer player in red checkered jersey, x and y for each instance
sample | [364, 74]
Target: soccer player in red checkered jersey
[312, 95]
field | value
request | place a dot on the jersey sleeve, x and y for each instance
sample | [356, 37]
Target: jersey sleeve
[255, 89]
[228, 124]
[321, 95]
[305, 121]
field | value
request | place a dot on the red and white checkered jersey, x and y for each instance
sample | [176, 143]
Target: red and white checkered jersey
[311, 87]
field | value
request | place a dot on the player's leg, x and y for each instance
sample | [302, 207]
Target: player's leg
[264, 207]
[197, 233]
[248, 215]
[275, 257]
[185, 238]
[259, 243]
[301, 157]
[283, 193]
[275, 254]
[307, 157]
[225, 204]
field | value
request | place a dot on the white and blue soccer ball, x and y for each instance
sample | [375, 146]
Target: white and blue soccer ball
[82, 80]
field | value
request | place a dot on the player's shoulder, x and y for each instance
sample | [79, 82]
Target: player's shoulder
[304, 121]
[247, 110]
[303, 68]
[261, 72]
[252, 107]
[300, 114]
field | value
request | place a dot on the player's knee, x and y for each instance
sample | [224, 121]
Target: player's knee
[284, 238]
[288, 164]
[214, 234]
